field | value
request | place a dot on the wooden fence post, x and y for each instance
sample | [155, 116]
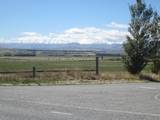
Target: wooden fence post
[97, 65]
[34, 72]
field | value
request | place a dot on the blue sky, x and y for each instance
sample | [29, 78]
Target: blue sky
[45, 18]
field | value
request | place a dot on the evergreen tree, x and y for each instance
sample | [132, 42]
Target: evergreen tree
[155, 44]
[137, 45]
[155, 36]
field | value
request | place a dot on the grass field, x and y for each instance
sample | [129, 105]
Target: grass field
[108, 64]
[111, 68]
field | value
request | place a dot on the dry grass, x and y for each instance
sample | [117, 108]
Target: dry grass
[68, 77]
[150, 77]
[118, 76]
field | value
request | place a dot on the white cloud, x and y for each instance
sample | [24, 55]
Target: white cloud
[30, 33]
[89, 35]
[4, 40]
[32, 37]
[1, 39]
[117, 25]
[113, 33]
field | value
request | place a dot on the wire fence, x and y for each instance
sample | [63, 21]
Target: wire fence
[51, 68]
[18, 65]
[49, 64]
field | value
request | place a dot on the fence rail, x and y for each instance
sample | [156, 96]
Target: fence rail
[41, 71]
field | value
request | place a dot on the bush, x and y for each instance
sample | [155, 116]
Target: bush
[156, 66]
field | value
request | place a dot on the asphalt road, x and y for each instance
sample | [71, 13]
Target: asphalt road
[83, 102]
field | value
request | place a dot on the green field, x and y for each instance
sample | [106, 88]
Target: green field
[108, 64]
[66, 70]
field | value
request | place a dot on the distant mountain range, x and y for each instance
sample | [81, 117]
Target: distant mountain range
[107, 48]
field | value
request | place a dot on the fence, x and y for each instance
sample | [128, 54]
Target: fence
[34, 65]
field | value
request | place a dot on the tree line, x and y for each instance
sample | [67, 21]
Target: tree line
[143, 41]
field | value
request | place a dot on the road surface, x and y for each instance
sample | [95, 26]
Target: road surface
[81, 102]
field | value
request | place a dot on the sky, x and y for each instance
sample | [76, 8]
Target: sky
[65, 21]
